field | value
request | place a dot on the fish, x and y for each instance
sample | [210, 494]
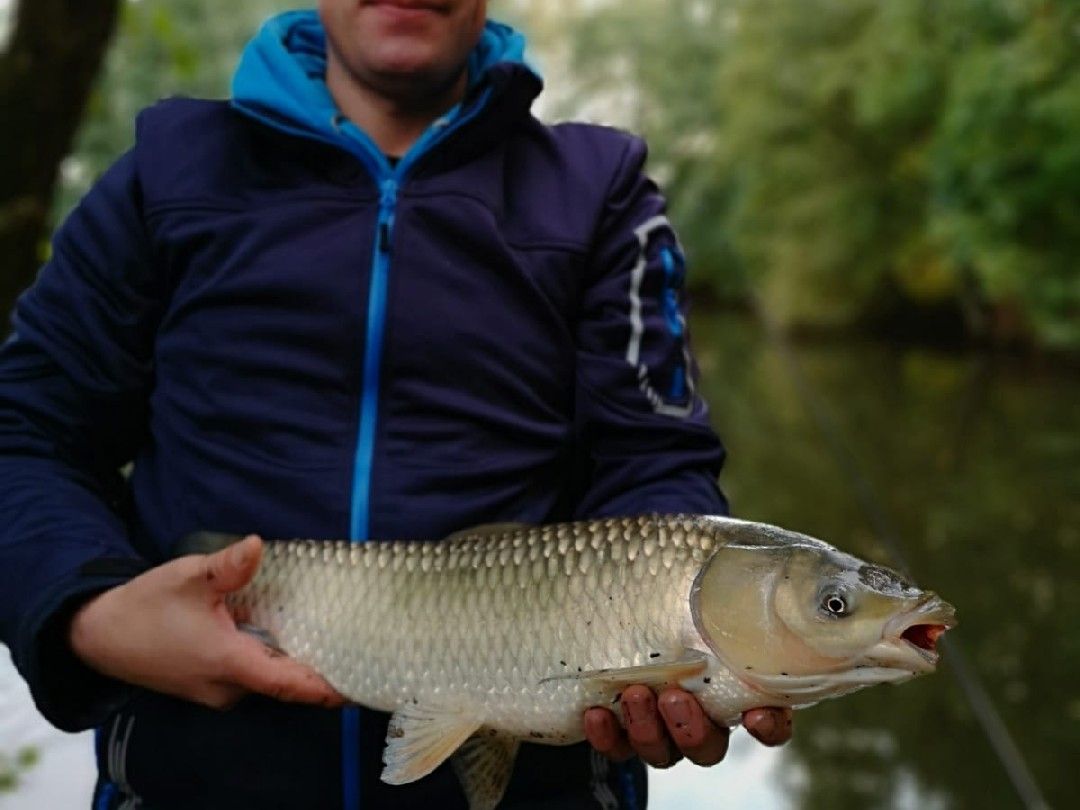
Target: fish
[508, 633]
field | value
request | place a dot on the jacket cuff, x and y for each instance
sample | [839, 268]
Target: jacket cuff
[67, 692]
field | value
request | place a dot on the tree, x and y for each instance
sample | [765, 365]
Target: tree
[652, 66]
[863, 162]
[46, 73]
[1006, 166]
[163, 48]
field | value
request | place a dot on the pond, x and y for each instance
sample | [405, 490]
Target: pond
[973, 463]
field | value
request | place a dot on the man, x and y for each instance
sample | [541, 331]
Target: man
[370, 296]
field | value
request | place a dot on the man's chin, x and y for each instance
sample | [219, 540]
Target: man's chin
[409, 59]
[414, 77]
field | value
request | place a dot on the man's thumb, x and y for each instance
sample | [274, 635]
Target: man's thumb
[232, 568]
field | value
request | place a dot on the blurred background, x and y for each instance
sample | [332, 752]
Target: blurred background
[880, 201]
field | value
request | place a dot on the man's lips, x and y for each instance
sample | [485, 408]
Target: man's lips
[409, 6]
[402, 13]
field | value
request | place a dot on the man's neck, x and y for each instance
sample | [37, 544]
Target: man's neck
[395, 124]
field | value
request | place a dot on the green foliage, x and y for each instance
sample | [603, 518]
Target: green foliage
[164, 48]
[1006, 164]
[651, 66]
[12, 767]
[844, 158]
[828, 107]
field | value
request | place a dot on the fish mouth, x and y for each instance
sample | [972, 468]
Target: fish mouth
[924, 636]
[913, 637]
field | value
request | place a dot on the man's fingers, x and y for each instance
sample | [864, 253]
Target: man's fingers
[770, 725]
[645, 728]
[255, 667]
[232, 568]
[604, 733]
[698, 737]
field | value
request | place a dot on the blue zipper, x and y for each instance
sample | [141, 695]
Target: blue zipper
[369, 394]
[389, 181]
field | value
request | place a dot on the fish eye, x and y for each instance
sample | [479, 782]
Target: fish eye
[834, 604]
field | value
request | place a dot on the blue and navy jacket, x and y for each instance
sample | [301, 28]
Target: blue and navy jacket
[289, 335]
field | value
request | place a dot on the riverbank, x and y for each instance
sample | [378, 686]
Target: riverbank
[936, 328]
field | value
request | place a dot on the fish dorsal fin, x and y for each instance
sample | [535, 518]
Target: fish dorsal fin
[486, 530]
[205, 543]
[661, 672]
[483, 766]
[420, 738]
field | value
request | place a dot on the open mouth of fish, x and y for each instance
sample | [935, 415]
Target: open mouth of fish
[918, 632]
[924, 637]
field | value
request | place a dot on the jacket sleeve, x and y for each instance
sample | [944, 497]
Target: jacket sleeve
[74, 380]
[641, 420]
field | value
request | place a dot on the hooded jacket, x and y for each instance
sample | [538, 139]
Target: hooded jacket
[289, 335]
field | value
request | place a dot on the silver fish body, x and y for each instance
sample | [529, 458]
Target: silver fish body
[509, 633]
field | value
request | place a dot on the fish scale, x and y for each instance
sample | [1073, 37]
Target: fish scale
[468, 619]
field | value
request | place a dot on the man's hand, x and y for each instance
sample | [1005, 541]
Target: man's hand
[663, 730]
[169, 630]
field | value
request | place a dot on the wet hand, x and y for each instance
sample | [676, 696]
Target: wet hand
[169, 630]
[663, 729]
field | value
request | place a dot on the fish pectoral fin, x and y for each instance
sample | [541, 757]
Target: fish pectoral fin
[420, 739]
[656, 673]
[483, 766]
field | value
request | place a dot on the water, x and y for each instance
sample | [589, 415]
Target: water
[977, 463]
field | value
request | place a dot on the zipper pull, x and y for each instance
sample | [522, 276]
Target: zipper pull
[388, 194]
[387, 201]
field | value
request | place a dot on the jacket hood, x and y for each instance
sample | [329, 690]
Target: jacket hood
[281, 76]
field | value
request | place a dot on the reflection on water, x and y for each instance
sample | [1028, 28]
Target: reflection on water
[977, 463]
[752, 777]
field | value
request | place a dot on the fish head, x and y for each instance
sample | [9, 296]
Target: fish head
[797, 619]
